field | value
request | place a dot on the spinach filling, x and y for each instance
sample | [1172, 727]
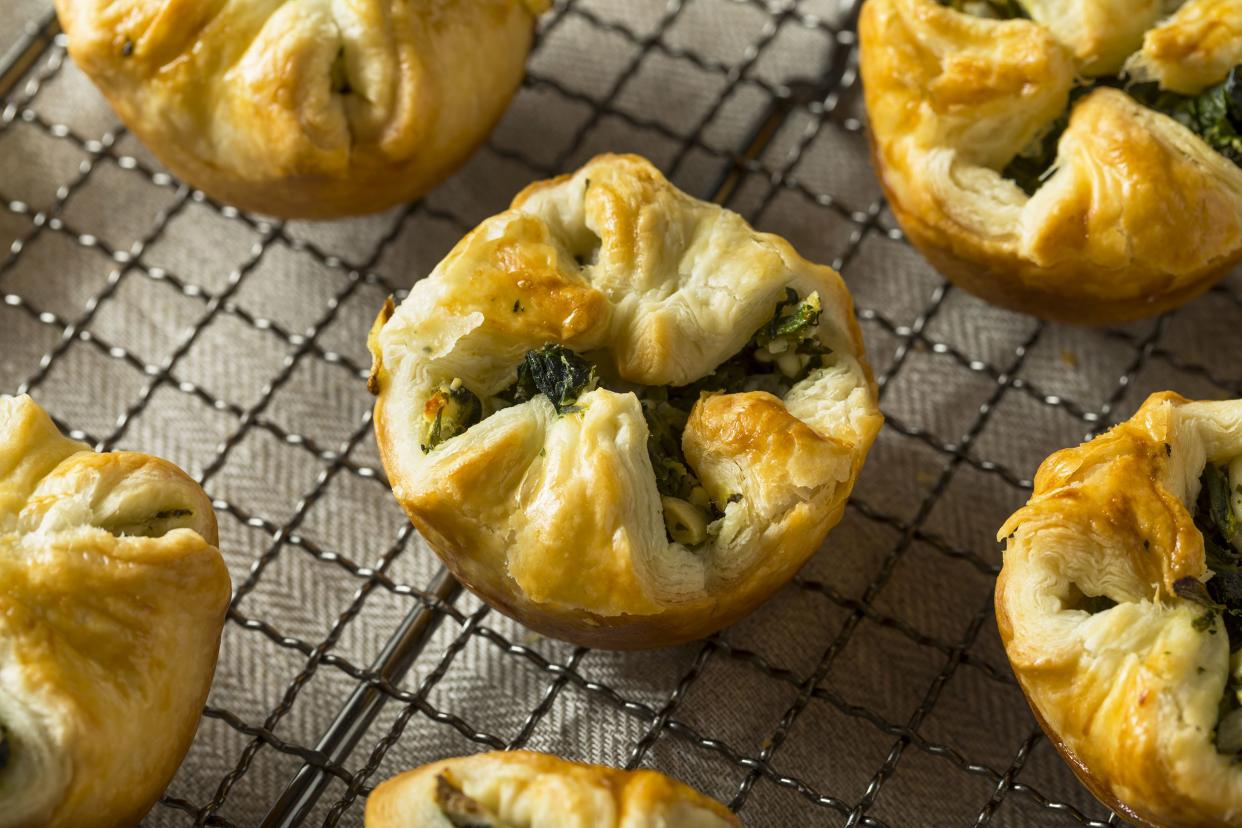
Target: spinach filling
[449, 411]
[461, 810]
[1221, 595]
[783, 352]
[1215, 115]
[5, 749]
[555, 372]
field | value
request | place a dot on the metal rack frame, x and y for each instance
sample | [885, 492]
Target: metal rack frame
[330, 755]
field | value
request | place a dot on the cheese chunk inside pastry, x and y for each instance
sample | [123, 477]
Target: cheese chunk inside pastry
[112, 599]
[521, 789]
[620, 414]
[1120, 606]
[311, 108]
[1055, 156]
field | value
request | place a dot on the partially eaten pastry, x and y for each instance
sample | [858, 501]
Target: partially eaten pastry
[535, 790]
[112, 599]
[618, 413]
[313, 109]
[1120, 607]
[1074, 159]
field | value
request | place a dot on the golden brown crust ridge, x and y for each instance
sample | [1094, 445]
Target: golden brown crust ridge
[1129, 692]
[953, 98]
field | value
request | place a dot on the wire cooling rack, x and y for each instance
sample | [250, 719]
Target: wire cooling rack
[871, 691]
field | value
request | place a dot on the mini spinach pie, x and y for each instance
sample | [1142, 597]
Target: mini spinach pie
[1120, 607]
[534, 790]
[619, 414]
[308, 109]
[112, 600]
[1073, 159]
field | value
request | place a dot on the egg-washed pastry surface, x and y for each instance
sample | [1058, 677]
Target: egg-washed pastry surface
[521, 789]
[618, 413]
[1120, 607]
[310, 109]
[112, 600]
[1074, 159]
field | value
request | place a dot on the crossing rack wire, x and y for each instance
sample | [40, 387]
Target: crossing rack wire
[872, 691]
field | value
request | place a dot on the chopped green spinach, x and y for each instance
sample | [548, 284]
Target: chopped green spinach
[1221, 594]
[781, 353]
[1217, 523]
[665, 424]
[1215, 115]
[5, 749]
[555, 372]
[1032, 165]
[449, 411]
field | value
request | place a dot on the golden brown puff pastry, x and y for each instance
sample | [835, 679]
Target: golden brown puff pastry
[307, 109]
[521, 789]
[1123, 211]
[1120, 607]
[112, 599]
[540, 418]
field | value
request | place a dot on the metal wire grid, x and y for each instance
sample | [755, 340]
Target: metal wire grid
[991, 365]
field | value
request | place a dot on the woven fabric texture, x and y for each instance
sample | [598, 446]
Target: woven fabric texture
[873, 690]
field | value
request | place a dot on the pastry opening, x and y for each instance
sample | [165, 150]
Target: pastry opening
[1215, 115]
[338, 75]
[461, 810]
[782, 353]
[150, 525]
[1077, 599]
[6, 748]
[587, 244]
[1218, 517]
